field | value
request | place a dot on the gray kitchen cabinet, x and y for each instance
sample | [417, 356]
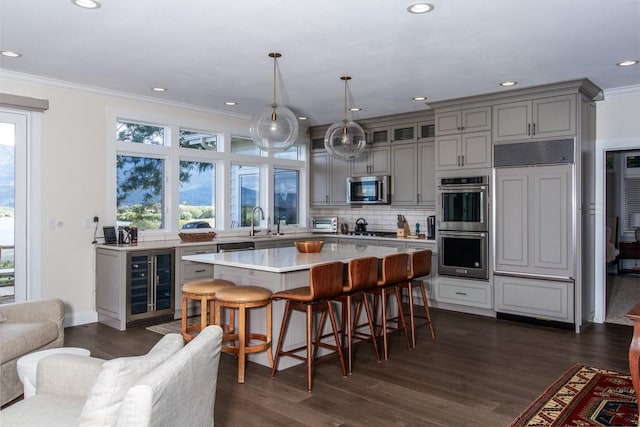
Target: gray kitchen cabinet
[539, 118]
[463, 151]
[426, 196]
[464, 292]
[462, 121]
[328, 180]
[542, 299]
[134, 287]
[534, 223]
[426, 131]
[377, 136]
[404, 182]
[374, 161]
[189, 270]
[406, 132]
[414, 179]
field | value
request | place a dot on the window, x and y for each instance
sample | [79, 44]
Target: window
[242, 145]
[140, 134]
[198, 140]
[245, 193]
[168, 177]
[141, 192]
[197, 192]
[285, 197]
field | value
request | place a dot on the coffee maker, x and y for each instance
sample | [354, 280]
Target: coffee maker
[431, 227]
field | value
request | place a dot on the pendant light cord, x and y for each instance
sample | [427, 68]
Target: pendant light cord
[344, 121]
[275, 56]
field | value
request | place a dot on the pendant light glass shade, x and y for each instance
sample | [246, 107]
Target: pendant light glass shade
[274, 128]
[345, 140]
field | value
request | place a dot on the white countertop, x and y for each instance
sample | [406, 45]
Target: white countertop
[177, 243]
[283, 260]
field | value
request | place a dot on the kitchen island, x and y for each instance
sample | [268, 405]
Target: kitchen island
[279, 269]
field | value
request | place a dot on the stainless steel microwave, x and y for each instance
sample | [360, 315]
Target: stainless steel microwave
[369, 190]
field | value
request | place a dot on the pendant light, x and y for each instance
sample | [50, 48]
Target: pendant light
[274, 128]
[345, 140]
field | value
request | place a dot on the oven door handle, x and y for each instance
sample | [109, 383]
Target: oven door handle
[467, 234]
[458, 188]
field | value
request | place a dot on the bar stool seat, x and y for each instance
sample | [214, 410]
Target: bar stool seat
[243, 298]
[204, 291]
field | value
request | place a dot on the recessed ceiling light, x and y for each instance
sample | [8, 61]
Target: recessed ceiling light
[159, 89]
[627, 63]
[419, 8]
[419, 98]
[230, 103]
[509, 83]
[10, 54]
[354, 109]
[303, 118]
[87, 4]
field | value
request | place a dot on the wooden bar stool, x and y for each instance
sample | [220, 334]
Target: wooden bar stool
[205, 292]
[420, 266]
[245, 298]
[325, 282]
[362, 275]
[394, 272]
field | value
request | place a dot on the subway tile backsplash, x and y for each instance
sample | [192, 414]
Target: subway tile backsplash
[379, 217]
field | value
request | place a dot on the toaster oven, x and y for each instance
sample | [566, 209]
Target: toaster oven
[326, 224]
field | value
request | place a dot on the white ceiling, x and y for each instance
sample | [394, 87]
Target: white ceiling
[206, 52]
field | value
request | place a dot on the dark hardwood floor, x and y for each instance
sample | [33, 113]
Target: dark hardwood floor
[478, 372]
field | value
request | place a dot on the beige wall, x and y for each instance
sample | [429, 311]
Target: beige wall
[73, 180]
[618, 116]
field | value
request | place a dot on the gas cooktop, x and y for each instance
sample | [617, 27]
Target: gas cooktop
[374, 233]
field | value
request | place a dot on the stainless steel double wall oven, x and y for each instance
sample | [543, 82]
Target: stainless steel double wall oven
[463, 226]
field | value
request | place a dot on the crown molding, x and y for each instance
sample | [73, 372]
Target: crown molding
[62, 84]
[623, 90]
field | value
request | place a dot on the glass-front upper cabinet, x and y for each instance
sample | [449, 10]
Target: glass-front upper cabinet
[426, 130]
[404, 133]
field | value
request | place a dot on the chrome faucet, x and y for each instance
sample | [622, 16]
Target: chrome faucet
[253, 214]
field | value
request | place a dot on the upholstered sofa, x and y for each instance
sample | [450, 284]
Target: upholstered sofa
[172, 385]
[26, 327]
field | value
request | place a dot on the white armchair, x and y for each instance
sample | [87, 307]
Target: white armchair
[173, 384]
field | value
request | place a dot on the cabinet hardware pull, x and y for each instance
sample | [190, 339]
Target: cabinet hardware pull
[462, 160]
[458, 160]
[461, 293]
[534, 128]
[529, 129]
[200, 271]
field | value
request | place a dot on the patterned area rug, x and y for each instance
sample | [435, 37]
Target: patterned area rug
[170, 327]
[584, 396]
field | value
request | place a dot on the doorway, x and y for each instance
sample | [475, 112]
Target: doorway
[13, 134]
[613, 292]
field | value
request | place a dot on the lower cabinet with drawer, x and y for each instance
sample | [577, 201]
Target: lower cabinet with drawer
[189, 270]
[464, 292]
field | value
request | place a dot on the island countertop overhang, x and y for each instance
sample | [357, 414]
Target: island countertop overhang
[288, 259]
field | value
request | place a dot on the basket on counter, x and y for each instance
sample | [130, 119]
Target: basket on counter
[197, 237]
